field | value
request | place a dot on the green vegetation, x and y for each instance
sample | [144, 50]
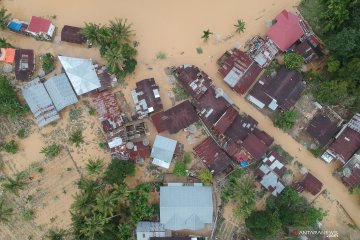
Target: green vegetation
[199, 50]
[187, 158]
[240, 26]
[4, 43]
[338, 83]
[273, 67]
[9, 103]
[21, 133]
[5, 211]
[92, 111]
[48, 63]
[316, 152]
[356, 190]
[10, 147]
[205, 176]
[57, 234]
[240, 190]
[113, 40]
[180, 169]
[161, 55]
[95, 167]
[285, 120]
[117, 171]
[28, 214]
[289, 209]
[4, 18]
[76, 138]
[75, 114]
[293, 61]
[14, 185]
[179, 92]
[51, 151]
[206, 35]
[287, 157]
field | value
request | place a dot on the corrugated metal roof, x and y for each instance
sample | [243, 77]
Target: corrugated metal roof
[60, 91]
[185, 207]
[163, 151]
[39, 102]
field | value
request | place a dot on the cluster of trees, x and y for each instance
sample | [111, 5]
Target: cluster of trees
[114, 43]
[289, 209]
[9, 102]
[285, 120]
[337, 22]
[48, 63]
[105, 208]
[10, 147]
[293, 61]
[240, 190]
[180, 167]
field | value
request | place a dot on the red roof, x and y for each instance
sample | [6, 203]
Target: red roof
[353, 179]
[226, 120]
[345, 145]
[286, 31]
[312, 184]
[255, 146]
[139, 151]
[39, 24]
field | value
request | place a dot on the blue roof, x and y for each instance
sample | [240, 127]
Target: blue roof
[15, 26]
[243, 164]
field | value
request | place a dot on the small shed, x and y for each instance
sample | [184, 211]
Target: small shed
[163, 151]
[24, 63]
[311, 184]
[72, 35]
[146, 230]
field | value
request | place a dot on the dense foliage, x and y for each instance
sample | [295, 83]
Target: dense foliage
[9, 103]
[76, 138]
[10, 147]
[293, 61]
[113, 40]
[4, 18]
[205, 176]
[337, 22]
[180, 169]
[117, 171]
[285, 120]
[48, 62]
[286, 210]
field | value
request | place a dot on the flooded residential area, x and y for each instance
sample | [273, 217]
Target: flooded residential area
[173, 120]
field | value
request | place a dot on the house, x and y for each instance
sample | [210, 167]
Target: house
[346, 143]
[81, 73]
[351, 171]
[262, 51]
[109, 111]
[17, 26]
[270, 172]
[60, 91]
[163, 151]
[7, 55]
[107, 80]
[186, 207]
[138, 151]
[238, 70]
[286, 30]
[24, 64]
[310, 183]
[176, 118]
[146, 230]
[39, 102]
[146, 97]
[282, 90]
[310, 49]
[173, 238]
[213, 157]
[41, 28]
[322, 129]
[72, 35]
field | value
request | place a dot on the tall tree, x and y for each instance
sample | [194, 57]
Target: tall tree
[14, 185]
[95, 167]
[4, 18]
[335, 15]
[264, 224]
[121, 29]
[94, 226]
[57, 234]
[106, 203]
[240, 26]
[206, 35]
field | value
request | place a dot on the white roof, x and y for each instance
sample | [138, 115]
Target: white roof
[81, 73]
[163, 151]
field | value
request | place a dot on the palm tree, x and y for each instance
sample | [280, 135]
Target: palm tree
[95, 167]
[93, 226]
[115, 59]
[51, 151]
[56, 234]
[95, 33]
[89, 186]
[82, 204]
[4, 18]
[106, 203]
[5, 212]
[13, 185]
[76, 138]
[206, 35]
[240, 26]
[121, 29]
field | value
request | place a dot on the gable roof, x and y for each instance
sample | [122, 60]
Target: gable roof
[24, 63]
[311, 184]
[146, 230]
[286, 31]
[72, 35]
[255, 146]
[60, 91]
[345, 145]
[39, 25]
[7, 55]
[185, 207]
[163, 151]
[175, 118]
[322, 129]
[81, 73]
[39, 102]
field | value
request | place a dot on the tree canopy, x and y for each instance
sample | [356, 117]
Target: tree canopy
[9, 102]
[285, 120]
[118, 170]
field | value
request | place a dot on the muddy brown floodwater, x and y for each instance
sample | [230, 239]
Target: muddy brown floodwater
[175, 27]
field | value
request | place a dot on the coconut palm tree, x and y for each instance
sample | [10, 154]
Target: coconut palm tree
[82, 204]
[4, 18]
[106, 203]
[5, 212]
[95, 167]
[56, 234]
[121, 29]
[51, 151]
[96, 34]
[90, 186]
[76, 138]
[206, 35]
[13, 185]
[115, 59]
[93, 226]
[240, 26]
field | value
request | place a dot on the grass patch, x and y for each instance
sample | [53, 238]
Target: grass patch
[316, 152]
[179, 92]
[161, 55]
[75, 114]
[199, 50]
[21, 133]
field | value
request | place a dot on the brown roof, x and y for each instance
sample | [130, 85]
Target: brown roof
[347, 143]
[263, 136]
[170, 238]
[24, 63]
[212, 156]
[139, 151]
[106, 79]
[241, 127]
[175, 118]
[322, 129]
[255, 146]
[72, 35]
[226, 120]
[312, 184]
[286, 88]
[353, 179]
[307, 51]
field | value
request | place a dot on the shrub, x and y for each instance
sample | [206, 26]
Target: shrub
[293, 61]
[285, 120]
[28, 215]
[92, 111]
[21, 133]
[48, 62]
[180, 169]
[75, 114]
[76, 138]
[161, 55]
[205, 177]
[11, 147]
[187, 158]
[51, 151]
[199, 50]
[179, 92]
[316, 152]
